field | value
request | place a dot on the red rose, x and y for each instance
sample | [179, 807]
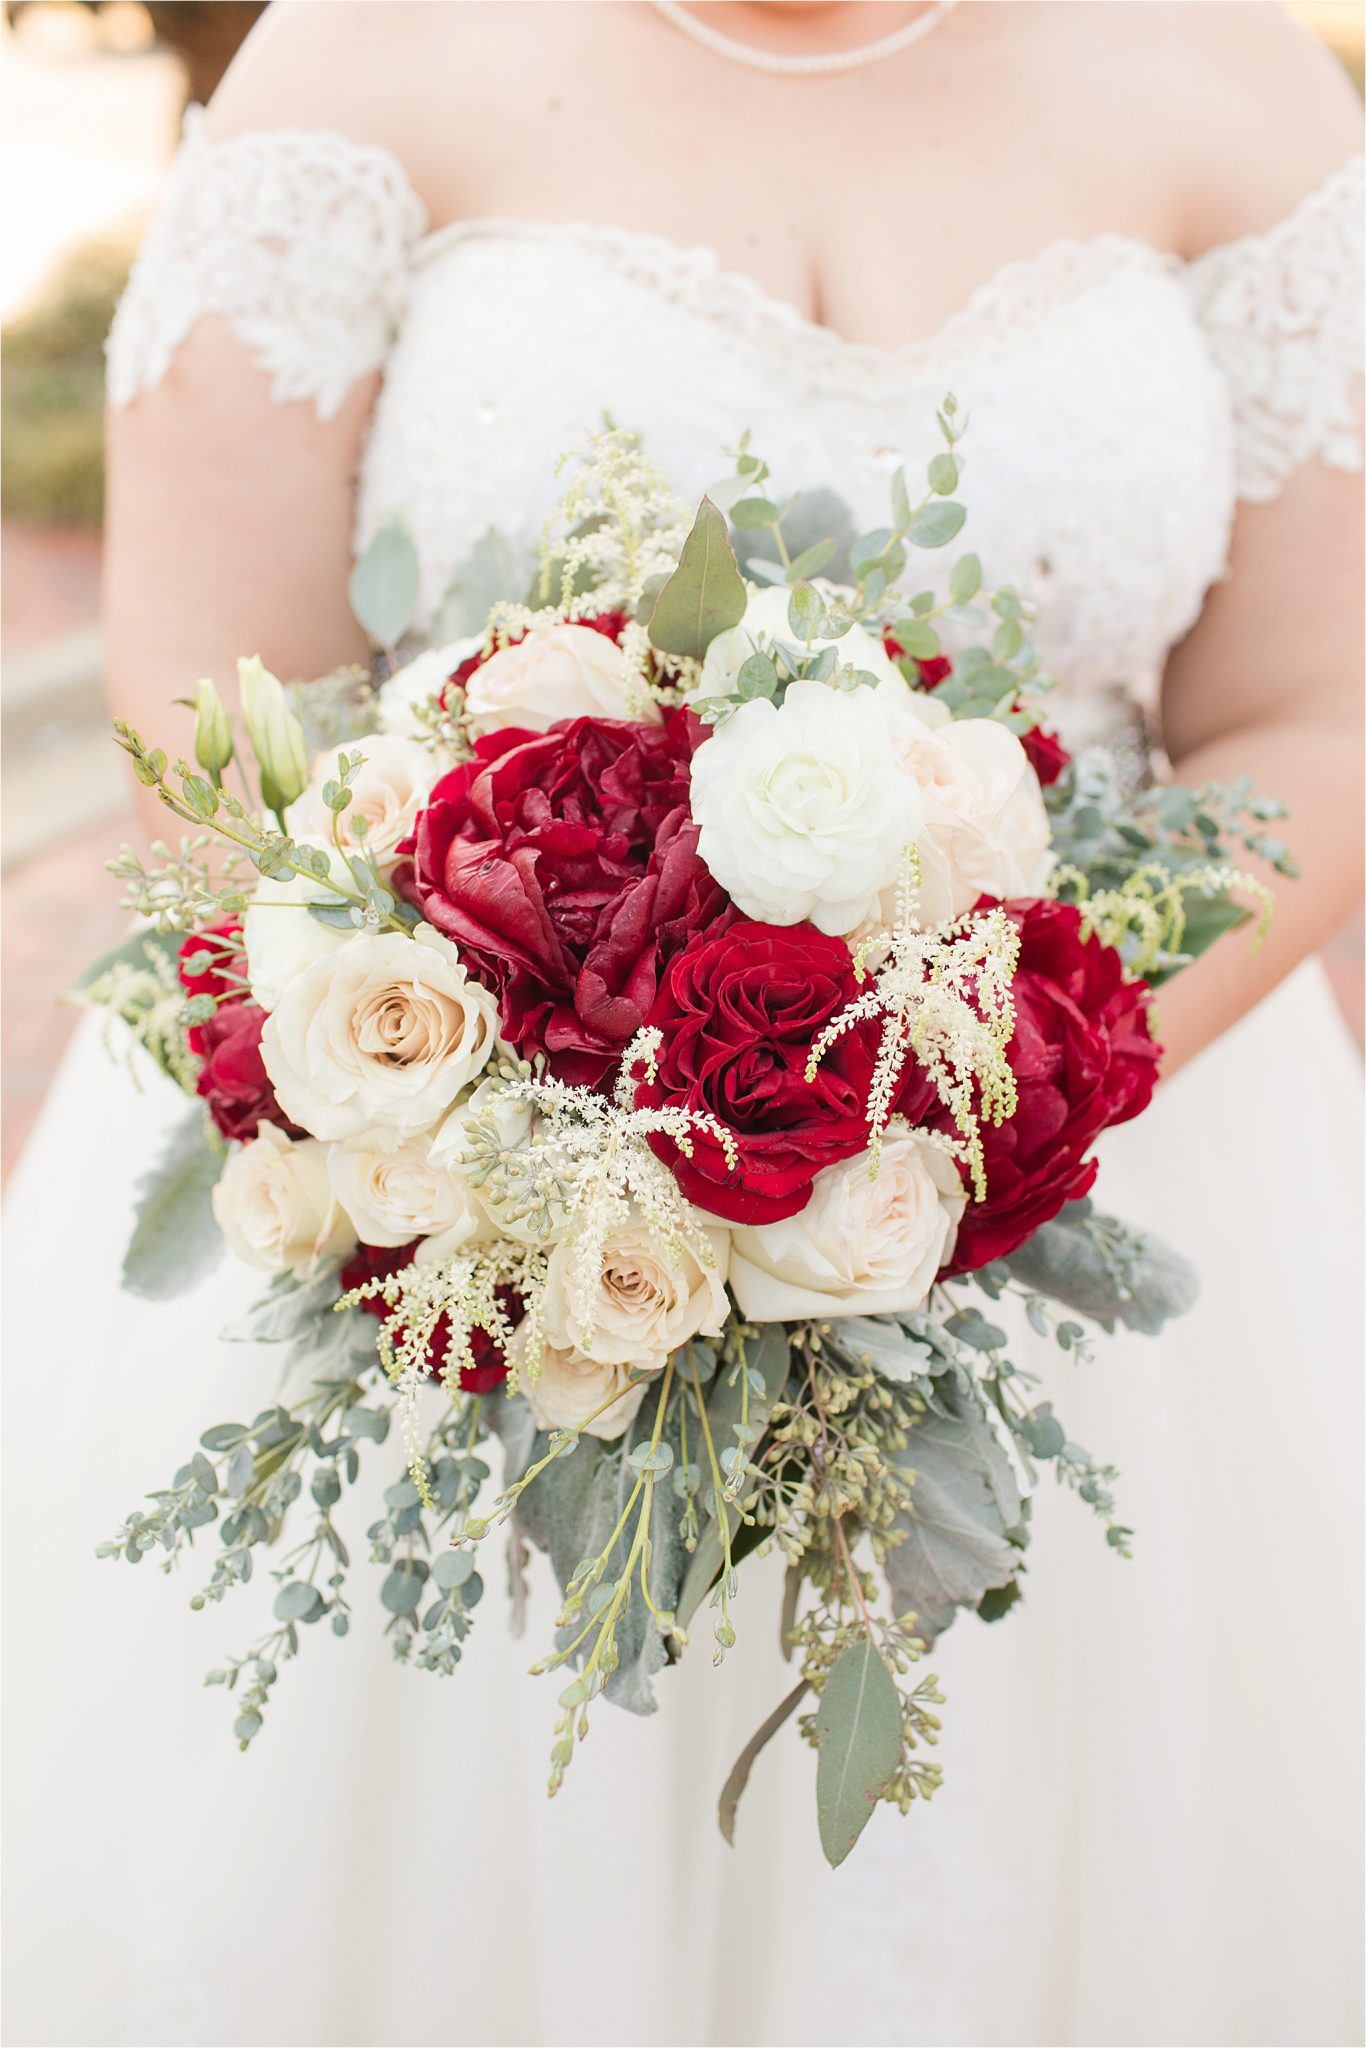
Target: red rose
[565, 867]
[1047, 754]
[1083, 1059]
[739, 1010]
[611, 624]
[232, 1080]
[376, 1262]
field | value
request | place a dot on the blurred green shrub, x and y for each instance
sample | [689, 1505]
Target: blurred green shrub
[52, 394]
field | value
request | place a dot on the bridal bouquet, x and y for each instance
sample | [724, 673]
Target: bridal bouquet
[655, 1032]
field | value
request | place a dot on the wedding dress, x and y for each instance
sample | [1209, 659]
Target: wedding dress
[1149, 1828]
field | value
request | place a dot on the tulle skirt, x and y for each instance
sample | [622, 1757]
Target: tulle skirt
[1150, 1826]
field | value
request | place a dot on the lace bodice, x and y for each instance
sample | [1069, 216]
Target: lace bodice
[1121, 401]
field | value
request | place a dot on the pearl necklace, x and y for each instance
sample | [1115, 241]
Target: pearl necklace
[799, 65]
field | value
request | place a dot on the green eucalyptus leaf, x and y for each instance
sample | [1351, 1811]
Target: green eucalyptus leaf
[935, 525]
[384, 585]
[858, 1728]
[965, 579]
[943, 475]
[706, 593]
[749, 513]
[744, 1763]
[298, 1601]
[812, 561]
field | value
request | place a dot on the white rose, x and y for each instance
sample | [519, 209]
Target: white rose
[569, 1386]
[393, 1191]
[986, 830]
[553, 672]
[280, 935]
[803, 807]
[860, 1246]
[411, 688]
[390, 787]
[642, 1307]
[275, 1206]
[382, 1034]
[765, 621]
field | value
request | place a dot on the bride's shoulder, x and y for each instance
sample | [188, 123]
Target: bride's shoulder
[419, 81]
[1267, 116]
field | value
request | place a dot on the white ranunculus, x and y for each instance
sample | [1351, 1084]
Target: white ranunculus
[393, 1190]
[570, 1385]
[390, 787]
[275, 1206]
[382, 1034]
[280, 934]
[860, 1246]
[553, 672]
[415, 685]
[986, 830]
[765, 621]
[643, 1307]
[803, 808]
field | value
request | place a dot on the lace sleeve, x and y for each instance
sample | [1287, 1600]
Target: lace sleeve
[299, 238]
[1282, 313]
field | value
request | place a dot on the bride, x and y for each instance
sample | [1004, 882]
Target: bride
[410, 253]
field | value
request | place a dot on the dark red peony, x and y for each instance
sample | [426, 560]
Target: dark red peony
[376, 1262]
[611, 624]
[1083, 1059]
[232, 1080]
[565, 867]
[739, 1010]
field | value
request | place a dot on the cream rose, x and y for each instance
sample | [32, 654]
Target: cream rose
[275, 1206]
[569, 1386]
[553, 672]
[390, 787]
[393, 1191]
[803, 807]
[642, 1307]
[860, 1246]
[382, 1034]
[280, 934]
[765, 621]
[413, 687]
[986, 831]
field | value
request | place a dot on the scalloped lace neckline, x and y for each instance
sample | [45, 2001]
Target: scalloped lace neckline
[692, 274]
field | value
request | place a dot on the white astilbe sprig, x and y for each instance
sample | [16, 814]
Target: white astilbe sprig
[943, 995]
[464, 1289]
[589, 1161]
[617, 525]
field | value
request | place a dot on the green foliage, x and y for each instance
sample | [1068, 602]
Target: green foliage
[706, 593]
[176, 1241]
[384, 584]
[1106, 1273]
[960, 1535]
[52, 394]
[858, 1727]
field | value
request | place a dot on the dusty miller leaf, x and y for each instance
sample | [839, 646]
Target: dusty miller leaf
[858, 1727]
[176, 1241]
[1064, 1260]
[955, 1546]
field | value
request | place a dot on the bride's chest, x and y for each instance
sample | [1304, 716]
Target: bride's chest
[1098, 475]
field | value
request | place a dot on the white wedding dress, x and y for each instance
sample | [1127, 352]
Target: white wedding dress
[1150, 1825]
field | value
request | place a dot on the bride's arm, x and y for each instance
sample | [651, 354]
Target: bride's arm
[1269, 682]
[1269, 685]
[228, 533]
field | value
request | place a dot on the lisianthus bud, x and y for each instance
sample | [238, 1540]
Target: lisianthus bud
[275, 733]
[212, 735]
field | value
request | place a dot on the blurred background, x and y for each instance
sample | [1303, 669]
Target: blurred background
[91, 97]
